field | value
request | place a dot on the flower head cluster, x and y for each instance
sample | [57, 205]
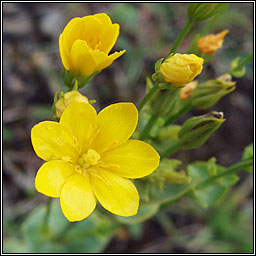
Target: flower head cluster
[210, 43]
[180, 69]
[90, 157]
[85, 44]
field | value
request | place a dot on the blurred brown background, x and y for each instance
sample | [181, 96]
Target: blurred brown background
[32, 74]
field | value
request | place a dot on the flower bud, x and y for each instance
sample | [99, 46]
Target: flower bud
[180, 69]
[67, 99]
[186, 91]
[196, 130]
[203, 11]
[207, 94]
[164, 101]
[210, 43]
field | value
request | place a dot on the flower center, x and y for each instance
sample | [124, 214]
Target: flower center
[94, 43]
[91, 157]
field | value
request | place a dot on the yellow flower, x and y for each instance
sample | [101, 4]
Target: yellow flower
[86, 42]
[210, 43]
[186, 91]
[181, 69]
[67, 99]
[90, 157]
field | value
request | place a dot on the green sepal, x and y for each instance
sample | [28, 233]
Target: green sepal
[158, 64]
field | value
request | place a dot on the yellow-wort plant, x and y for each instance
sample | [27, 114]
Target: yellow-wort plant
[120, 157]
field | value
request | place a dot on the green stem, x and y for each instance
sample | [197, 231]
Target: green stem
[148, 96]
[148, 127]
[172, 118]
[47, 214]
[182, 35]
[230, 170]
[242, 63]
[171, 150]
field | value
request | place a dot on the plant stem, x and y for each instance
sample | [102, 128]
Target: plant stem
[148, 96]
[242, 63]
[230, 170]
[182, 35]
[172, 118]
[47, 214]
[173, 149]
[148, 127]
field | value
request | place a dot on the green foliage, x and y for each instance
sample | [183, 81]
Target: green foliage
[61, 236]
[248, 154]
[212, 193]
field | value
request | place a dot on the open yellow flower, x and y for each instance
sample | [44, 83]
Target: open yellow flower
[86, 42]
[180, 69]
[91, 158]
[210, 43]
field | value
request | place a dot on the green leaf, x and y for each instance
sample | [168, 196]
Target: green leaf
[145, 212]
[237, 73]
[88, 236]
[212, 193]
[247, 154]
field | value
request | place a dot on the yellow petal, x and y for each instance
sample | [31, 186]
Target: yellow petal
[74, 30]
[80, 119]
[109, 34]
[51, 177]
[93, 28]
[77, 199]
[103, 60]
[82, 61]
[109, 38]
[53, 141]
[134, 159]
[116, 124]
[116, 194]
[104, 18]
[64, 54]
[116, 55]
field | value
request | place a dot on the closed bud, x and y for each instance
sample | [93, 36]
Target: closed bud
[210, 43]
[164, 101]
[180, 69]
[207, 94]
[66, 100]
[203, 11]
[196, 130]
